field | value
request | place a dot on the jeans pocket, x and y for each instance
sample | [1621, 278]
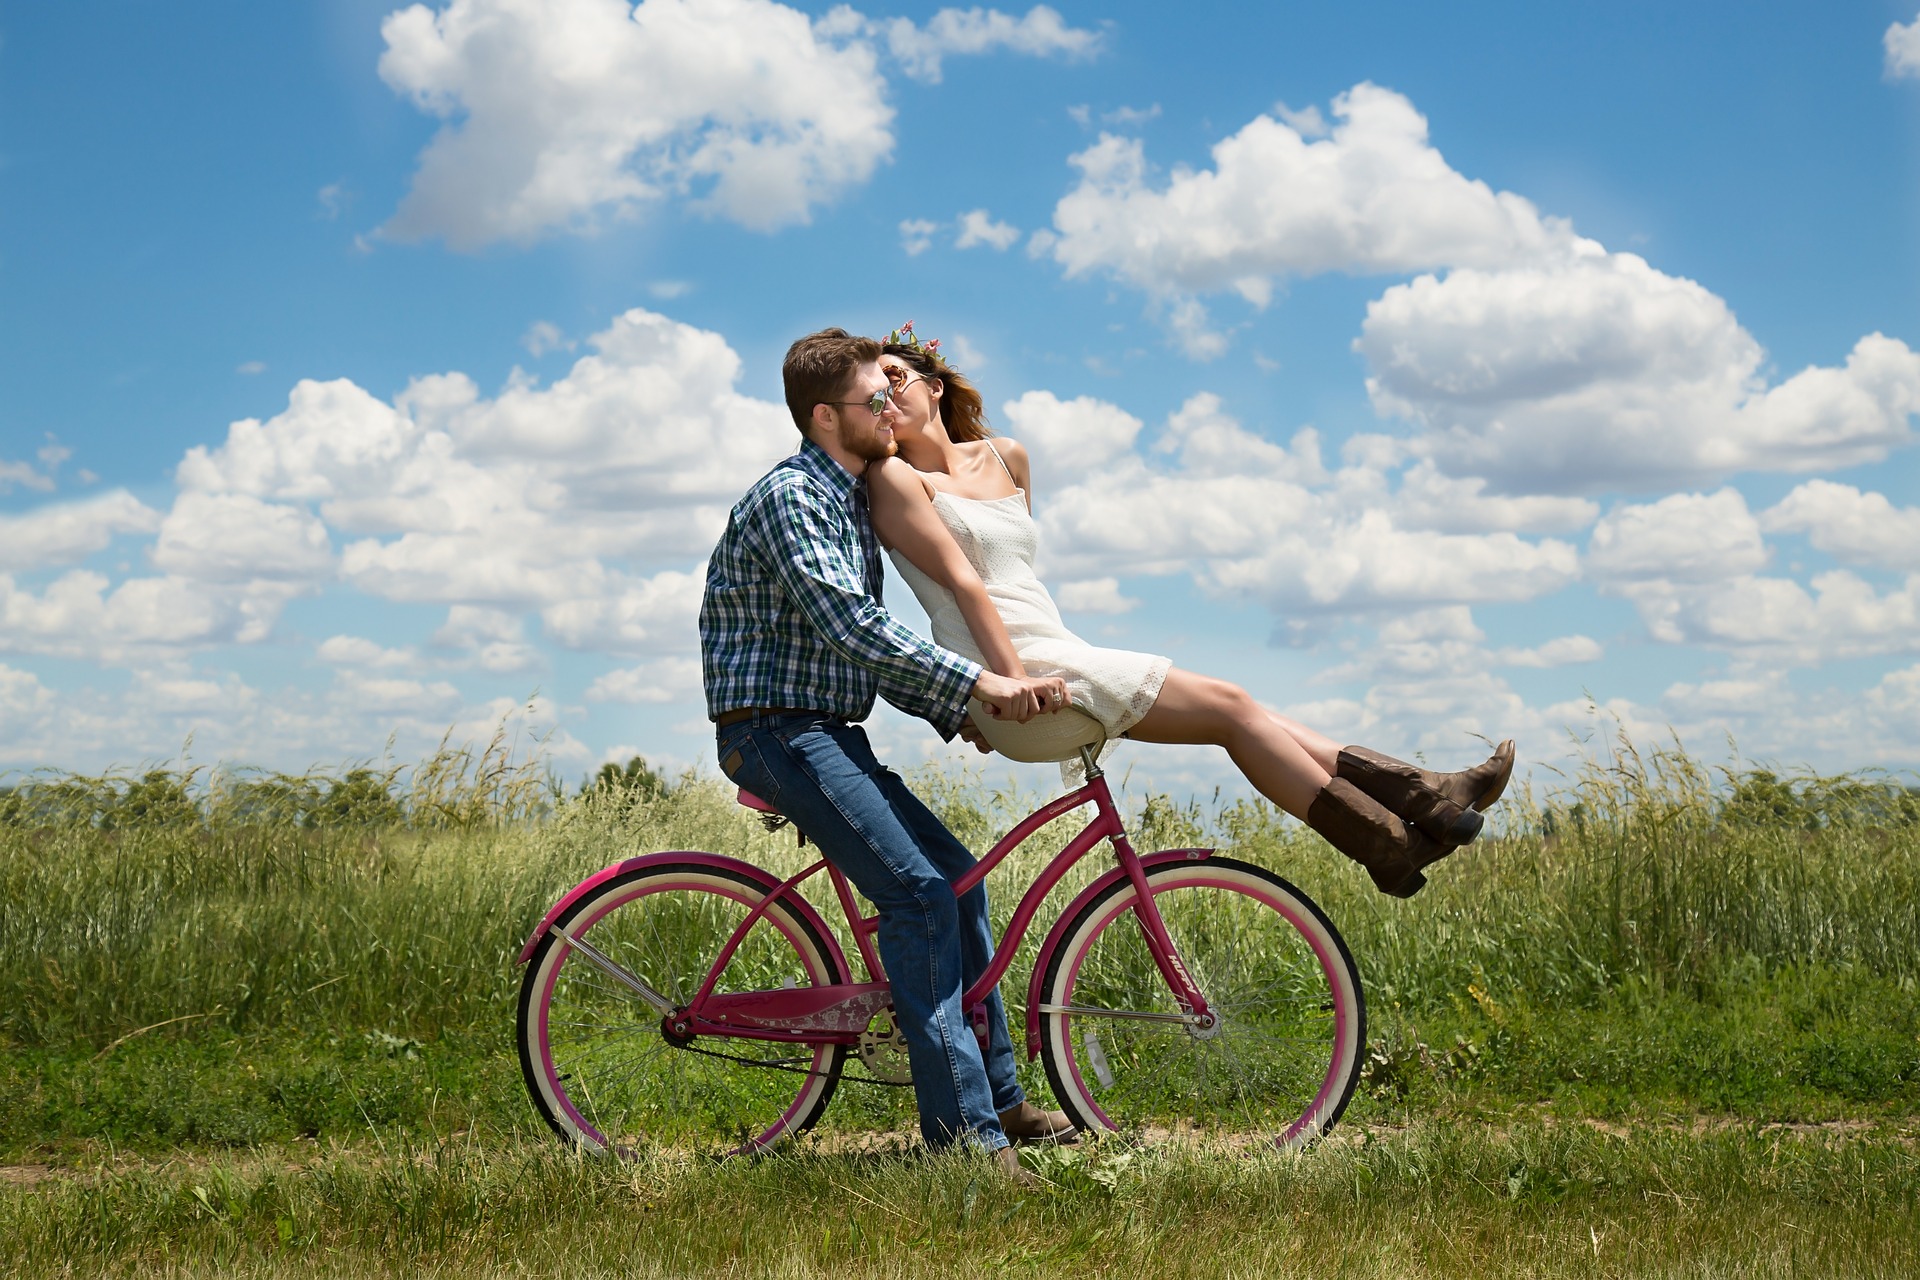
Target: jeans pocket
[740, 760]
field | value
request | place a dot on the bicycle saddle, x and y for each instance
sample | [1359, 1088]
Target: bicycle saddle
[754, 802]
[1044, 739]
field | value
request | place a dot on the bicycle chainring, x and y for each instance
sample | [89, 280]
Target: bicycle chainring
[884, 1050]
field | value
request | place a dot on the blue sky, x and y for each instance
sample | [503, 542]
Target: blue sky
[1600, 327]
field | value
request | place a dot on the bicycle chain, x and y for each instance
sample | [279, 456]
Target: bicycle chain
[799, 1071]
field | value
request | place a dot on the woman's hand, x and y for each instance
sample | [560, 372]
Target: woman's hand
[1020, 700]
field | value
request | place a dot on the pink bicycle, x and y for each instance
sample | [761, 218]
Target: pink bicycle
[693, 998]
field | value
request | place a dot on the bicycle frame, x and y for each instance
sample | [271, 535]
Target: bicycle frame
[839, 1013]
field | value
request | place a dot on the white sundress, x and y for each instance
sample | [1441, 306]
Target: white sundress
[998, 536]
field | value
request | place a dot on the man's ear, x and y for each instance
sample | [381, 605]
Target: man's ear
[823, 423]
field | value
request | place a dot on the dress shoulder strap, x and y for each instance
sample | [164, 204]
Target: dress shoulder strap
[1002, 461]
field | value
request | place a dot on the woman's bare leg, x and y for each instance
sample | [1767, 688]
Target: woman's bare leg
[1201, 710]
[1324, 750]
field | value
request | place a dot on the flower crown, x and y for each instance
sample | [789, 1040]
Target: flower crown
[904, 336]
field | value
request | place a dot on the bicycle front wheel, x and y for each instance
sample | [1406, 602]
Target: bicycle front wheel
[598, 1060]
[1286, 1048]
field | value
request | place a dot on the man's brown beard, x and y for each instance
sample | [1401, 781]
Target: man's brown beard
[871, 448]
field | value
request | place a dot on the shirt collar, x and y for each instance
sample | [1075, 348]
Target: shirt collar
[818, 463]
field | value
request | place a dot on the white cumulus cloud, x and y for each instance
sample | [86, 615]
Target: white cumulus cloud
[561, 115]
[1560, 651]
[666, 680]
[1685, 537]
[563, 112]
[1372, 196]
[84, 615]
[1041, 32]
[357, 651]
[1839, 615]
[1067, 437]
[235, 537]
[582, 502]
[1248, 516]
[1862, 528]
[977, 227]
[1902, 42]
[1601, 372]
[62, 533]
[1095, 595]
[916, 235]
[1527, 357]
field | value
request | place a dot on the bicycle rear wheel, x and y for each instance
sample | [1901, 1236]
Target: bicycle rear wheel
[596, 1058]
[1281, 1061]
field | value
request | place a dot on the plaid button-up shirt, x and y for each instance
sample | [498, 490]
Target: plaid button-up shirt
[792, 614]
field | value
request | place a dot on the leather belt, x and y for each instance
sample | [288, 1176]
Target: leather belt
[738, 714]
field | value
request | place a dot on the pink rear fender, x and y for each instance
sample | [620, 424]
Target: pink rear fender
[717, 861]
[1088, 894]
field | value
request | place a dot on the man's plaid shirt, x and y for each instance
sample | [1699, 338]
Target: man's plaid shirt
[792, 614]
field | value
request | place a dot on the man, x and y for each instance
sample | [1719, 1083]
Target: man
[794, 645]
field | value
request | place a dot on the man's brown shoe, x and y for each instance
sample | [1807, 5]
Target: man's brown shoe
[1018, 1174]
[1028, 1123]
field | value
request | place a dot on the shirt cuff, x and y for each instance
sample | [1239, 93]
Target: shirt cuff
[951, 687]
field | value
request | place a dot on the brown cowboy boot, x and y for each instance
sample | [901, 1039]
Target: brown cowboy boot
[1444, 805]
[1361, 827]
[1028, 1123]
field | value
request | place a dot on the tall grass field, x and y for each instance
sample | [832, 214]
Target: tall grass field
[1665, 1021]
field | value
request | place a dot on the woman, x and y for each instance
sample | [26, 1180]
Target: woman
[954, 511]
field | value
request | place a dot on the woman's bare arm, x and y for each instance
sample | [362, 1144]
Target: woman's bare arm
[904, 517]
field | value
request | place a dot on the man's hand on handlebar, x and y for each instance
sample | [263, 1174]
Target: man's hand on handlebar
[1020, 700]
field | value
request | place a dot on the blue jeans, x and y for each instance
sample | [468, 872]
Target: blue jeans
[822, 774]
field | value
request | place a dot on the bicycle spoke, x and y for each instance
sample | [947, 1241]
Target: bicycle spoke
[621, 1073]
[1268, 1056]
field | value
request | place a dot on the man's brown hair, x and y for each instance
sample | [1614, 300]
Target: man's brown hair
[819, 368]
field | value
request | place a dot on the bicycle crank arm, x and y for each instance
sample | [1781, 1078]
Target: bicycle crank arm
[1138, 1015]
[659, 1003]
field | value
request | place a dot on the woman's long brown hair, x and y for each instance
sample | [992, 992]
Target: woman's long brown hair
[962, 411]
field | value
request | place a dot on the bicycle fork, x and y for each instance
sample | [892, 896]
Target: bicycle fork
[1195, 1013]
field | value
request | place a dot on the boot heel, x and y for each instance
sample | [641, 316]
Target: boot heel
[1464, 828]
[1410, 886]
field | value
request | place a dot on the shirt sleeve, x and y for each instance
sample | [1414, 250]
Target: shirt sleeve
[804, 542]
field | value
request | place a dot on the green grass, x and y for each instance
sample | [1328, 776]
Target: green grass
[1440, 1199]
[306, 1013]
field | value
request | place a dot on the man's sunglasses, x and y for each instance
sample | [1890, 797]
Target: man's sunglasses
[873, 404]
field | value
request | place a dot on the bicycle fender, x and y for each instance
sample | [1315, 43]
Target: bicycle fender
[1052, 941]
[719, 862]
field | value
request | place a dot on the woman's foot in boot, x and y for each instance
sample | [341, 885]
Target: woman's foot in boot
[1392, 851]
[1445, 806]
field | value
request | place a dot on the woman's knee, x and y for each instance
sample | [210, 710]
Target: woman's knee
[1226, 704]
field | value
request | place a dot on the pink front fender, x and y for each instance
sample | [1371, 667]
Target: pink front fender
[718, 861]
[1052, 940]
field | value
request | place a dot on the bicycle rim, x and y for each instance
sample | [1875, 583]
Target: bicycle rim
[1280, 1065]
[595, 1057]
